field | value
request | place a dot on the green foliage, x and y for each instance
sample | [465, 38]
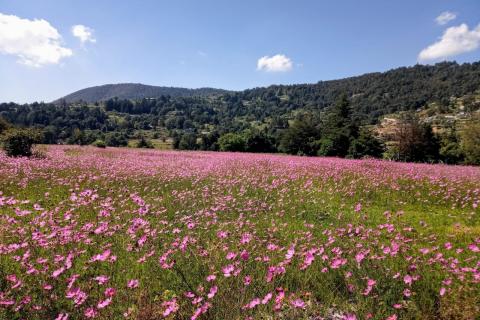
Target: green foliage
[450, 148]
[79, 137]
[188, 141]
[4, 125]
[232, 142]
[338, 130]
[413, 141]
[99, 144]
[366, 145]
[144, 143]
[256, 141]
[116, 139]
[300, 138]
[18, 142]
[209, 141]
[470, 143]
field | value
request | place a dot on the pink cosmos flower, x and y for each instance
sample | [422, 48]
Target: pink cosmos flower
[267, 298]
[290, 252]
[442, 291]
[212, 292]
[171, 306]
[246, 237]
[101, 257]
[298, 303]
[211, 278]
[244, 255]
[227, 270]
[104, 303]
[110, 292]
[222, 234]
[132, 283]
[58, 272]
[231, 255]
[473, 247]
[62, 316]
[408, 279]
[358, 207]
[337, 263]
[101, 279]
[252, 304]
[90, 313]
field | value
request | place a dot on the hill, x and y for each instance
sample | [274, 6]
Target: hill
[134, 91]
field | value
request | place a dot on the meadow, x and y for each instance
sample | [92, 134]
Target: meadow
[89, 233]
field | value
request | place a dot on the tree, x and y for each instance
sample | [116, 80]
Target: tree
[414, 141]
[365, 145]
[99, 144]
[144, 143]
[19, 142]
[232, 142]
[470, 140]
[4, 125]
[450, 148]
[300, 138]
[188, 141]
[259, 142]
[116, 139]
[338, 130]
[209, 141]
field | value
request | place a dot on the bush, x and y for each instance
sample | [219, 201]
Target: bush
[232, 142]
[99, 144]
[144, 143]
[4, 125]
[116, 139]
[19, 142]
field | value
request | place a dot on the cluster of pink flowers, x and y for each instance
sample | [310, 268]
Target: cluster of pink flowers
[111, 233]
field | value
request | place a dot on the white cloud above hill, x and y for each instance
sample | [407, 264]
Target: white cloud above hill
[35, 42]
[84, 33]
[454, 41]
[276, 63]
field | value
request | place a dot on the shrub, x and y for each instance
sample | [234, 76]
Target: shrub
[4, 125]
[99, 144]
[232, 142]
[144, 143]
[19, 142]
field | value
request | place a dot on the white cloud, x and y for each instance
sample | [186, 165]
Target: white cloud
[35, 42]
[85, 34]
[454, 41]
[276, 63]
[445, 17]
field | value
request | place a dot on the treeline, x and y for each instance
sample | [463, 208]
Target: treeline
[337, 133]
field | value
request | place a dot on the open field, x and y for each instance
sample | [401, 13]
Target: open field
[127, 233]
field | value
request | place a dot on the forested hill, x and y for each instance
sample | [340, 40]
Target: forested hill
[376, 94]
[134, 91]
[371, 95]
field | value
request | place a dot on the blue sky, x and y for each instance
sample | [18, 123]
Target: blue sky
[219, 43]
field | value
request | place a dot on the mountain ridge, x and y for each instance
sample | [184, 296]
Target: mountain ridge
[134, 91]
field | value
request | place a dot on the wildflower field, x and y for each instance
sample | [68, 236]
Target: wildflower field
[125, 233]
